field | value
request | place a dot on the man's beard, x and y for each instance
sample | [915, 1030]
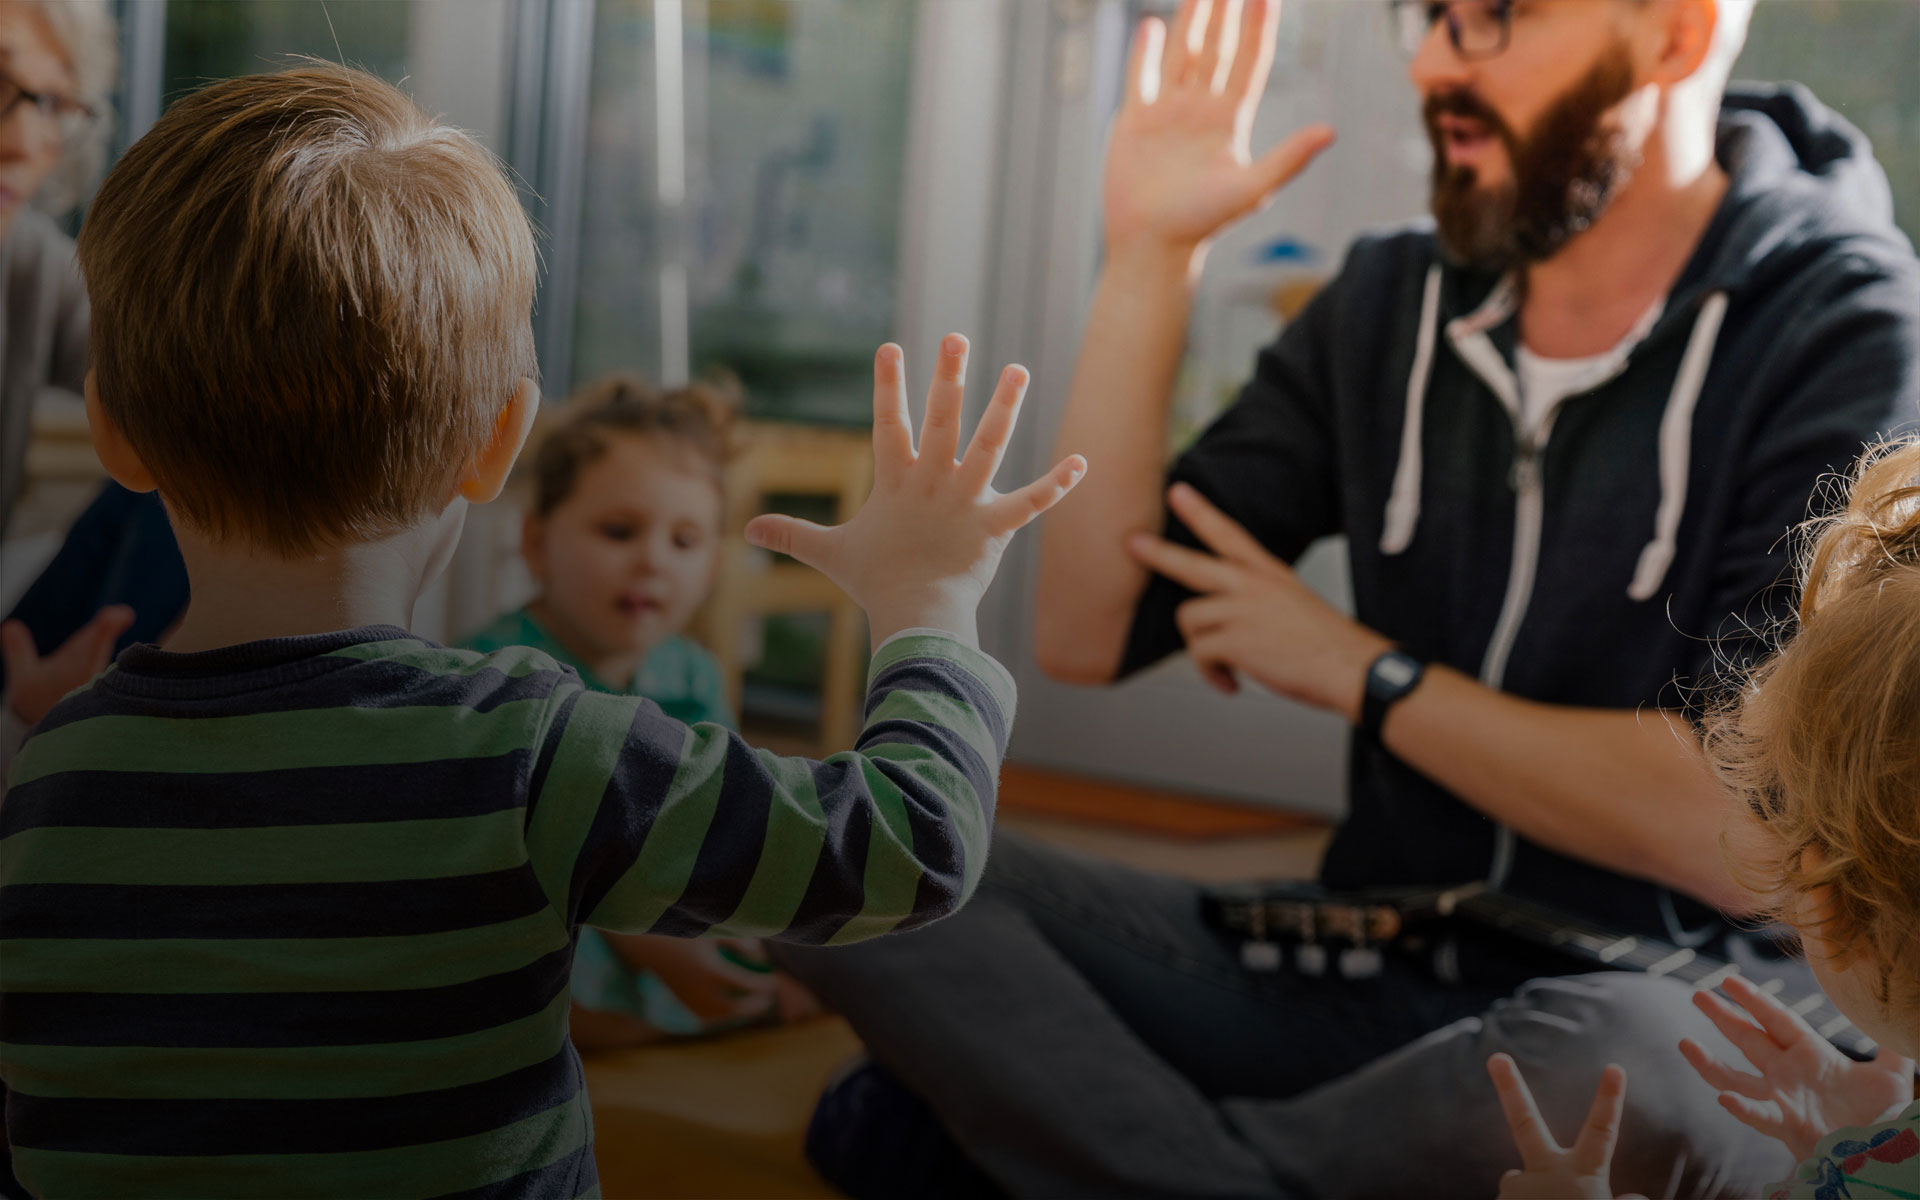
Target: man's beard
[1563, 175]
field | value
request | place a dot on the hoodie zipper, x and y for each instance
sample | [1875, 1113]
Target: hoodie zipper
[1529, 514]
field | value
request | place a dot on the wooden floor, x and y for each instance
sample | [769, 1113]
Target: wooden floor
[1151, 811]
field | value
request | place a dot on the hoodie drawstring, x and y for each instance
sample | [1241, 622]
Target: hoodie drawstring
[1676, 448]
[1676, 440]
[1403, 503]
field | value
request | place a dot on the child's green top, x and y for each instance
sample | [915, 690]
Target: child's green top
[1880, 1160]
[684, 680]
[294, 918]
[679, 676]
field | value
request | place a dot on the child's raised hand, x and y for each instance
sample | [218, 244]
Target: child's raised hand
[1806, 1088]
[36, 684]
[924, 547]
[1546, 1171]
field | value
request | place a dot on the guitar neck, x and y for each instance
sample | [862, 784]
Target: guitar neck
[1571, 936]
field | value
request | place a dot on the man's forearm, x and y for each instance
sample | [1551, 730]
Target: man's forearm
[1116, 416]
[1629, 791]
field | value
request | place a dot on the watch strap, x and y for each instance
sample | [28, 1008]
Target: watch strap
[1389, 678]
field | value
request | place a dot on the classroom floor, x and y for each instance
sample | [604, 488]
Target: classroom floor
[725, 1118]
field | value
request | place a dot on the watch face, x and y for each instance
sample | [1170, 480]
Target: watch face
[1393, 672]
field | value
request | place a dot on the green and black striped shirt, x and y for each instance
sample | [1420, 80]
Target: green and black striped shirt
[296, 917]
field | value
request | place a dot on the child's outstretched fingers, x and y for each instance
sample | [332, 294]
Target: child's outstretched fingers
[1545, 1169]
[940, 430]
[892, 425]
[990, 438]
[1530, 1135]
[1721, 1076]
[1015, 509]
[815, 545]
[1593, 1150]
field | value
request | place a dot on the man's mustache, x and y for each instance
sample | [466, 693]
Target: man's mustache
[1463, 103]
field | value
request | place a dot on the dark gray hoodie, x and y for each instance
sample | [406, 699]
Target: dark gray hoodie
[1606, 566]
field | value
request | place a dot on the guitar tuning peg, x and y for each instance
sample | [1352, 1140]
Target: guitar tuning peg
[1311, 959]
[1261, 956]
[1360, 962]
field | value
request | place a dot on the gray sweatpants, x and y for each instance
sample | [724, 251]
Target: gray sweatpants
[1080, 1031]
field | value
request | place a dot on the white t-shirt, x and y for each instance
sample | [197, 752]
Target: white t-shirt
[1545, 382]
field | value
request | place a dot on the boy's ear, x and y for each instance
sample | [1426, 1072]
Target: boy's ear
[116, 455]
[488, 472]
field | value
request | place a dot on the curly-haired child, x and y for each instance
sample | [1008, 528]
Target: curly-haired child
[1823, 745]
[623, 536]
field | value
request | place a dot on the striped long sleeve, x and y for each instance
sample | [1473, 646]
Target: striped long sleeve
[646, 825]
[296, 918]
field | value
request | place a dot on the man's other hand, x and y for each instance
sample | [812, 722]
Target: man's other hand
[1254, 617]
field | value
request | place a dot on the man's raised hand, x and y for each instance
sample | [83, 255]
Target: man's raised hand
[1179, 164]
[923, 548]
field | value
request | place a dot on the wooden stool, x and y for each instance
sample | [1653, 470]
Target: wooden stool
[806, 460]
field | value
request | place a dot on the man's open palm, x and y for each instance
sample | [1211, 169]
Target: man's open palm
[1179, 166]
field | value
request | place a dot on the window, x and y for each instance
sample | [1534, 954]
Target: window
[1862, 59]
[742, 188]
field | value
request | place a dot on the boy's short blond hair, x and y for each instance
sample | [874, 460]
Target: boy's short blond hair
[311, 301]
[1823, 741]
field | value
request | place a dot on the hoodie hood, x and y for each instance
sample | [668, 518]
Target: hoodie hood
[1801, 178]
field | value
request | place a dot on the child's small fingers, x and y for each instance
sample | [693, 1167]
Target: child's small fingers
[892, 425]
[1719, 1075]
[1593, 1149]
[1746, 1037]
[989, 445]
[1761, 1117]
[1781, 1023]
[803, 540]
[1016, 509]
[1529, 1130]
[940, 432]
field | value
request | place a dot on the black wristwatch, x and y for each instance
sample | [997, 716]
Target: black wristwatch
[1389, 679]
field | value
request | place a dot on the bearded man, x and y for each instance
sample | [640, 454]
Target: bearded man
[1566, 429]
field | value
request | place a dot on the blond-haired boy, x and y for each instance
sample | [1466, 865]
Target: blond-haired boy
[287, 907]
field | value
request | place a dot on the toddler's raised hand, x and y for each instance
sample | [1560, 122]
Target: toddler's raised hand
[1546, 1171]
[924, 547]
[1805, 1088]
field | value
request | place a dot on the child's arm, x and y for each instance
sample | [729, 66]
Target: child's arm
[642, 824]
[1805, 1088]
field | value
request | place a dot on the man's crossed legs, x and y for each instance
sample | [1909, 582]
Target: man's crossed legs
[1079, 1030]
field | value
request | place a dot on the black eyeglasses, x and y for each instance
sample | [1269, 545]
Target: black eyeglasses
[67, 117]
[1477, 28]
